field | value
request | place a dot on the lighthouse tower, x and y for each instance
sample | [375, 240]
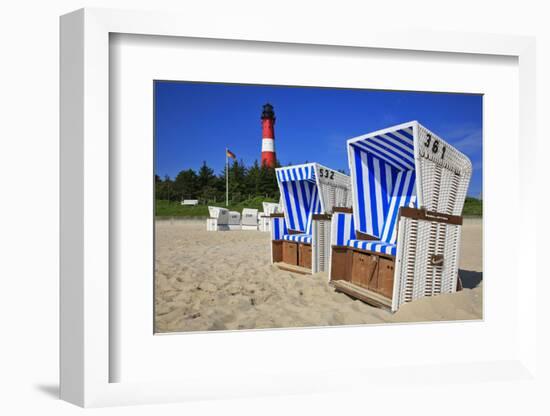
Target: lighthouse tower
[268, 136]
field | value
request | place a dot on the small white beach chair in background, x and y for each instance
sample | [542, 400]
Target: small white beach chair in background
[401, 240]
[301, 235]
[264, 221]
[249, 220]
[218, 219]
[234, 222]
[191, 202]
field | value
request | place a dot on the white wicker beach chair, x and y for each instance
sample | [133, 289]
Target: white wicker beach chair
[264, 221]
[218, 220]
[249, 219]
[234, 222]
[301, 236]
[401, 241]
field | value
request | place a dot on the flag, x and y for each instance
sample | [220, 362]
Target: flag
[230, 154]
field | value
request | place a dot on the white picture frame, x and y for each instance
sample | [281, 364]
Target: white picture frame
[86, 355]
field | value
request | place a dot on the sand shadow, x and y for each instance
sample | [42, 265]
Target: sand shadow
[470, 279]
[51, 390]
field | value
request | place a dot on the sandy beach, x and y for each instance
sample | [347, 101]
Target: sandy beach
[224, 281]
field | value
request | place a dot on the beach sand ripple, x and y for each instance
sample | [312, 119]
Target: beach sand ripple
[224, 281]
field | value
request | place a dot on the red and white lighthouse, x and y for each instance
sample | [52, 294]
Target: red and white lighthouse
[268, 136]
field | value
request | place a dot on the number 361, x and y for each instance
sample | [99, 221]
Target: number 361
[435, 145]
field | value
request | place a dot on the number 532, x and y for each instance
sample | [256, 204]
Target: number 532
[325, 173]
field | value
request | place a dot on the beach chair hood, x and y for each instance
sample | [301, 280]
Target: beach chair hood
[391, 169]
[310, 189]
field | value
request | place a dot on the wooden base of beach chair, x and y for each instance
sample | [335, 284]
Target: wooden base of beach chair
[369, 274]
[304, 255]
[292, 268]
[276, 251]
[373, 272]
[291, 256]
[296, 254]
[341, 263]
[365, 295]
[290, 253]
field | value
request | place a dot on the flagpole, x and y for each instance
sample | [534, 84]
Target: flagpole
[226, 179]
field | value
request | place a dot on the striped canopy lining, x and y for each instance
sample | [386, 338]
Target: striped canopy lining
[296, 173]
[301, 200]
[384, 179]
[300, 197]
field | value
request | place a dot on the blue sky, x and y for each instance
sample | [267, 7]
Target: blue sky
[196, 121]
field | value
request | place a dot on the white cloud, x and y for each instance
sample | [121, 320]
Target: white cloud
[467, 138]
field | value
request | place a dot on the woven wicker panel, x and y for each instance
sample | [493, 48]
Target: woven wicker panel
[444, 171]
[321, 245]
[415, 276]
[451, 256]
[336, 194]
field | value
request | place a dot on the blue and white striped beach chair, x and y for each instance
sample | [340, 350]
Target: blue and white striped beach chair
[301, 235]
[401, 240]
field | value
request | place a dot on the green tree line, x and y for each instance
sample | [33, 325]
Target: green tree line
[204, 185]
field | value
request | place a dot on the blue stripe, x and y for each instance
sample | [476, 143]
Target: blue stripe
[392, 217]
[314, 208]
[341, 225]
[388, 159]
[288, 210]
[372, 191]
[307, 210]
[400, 140]
[304, 194]
[398, 194]
[277, 232]
[384, 187]
[408, 157]
[405, 132]
[360, 193]
[410, 191]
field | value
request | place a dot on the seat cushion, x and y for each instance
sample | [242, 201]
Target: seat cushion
[374, 245]
[298, 238]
